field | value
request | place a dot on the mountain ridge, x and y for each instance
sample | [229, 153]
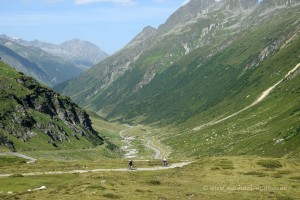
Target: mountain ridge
[53, 63]
[45, 67]
[84, 53]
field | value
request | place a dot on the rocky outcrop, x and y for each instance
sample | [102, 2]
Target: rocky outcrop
[147, 33]
[240, 4]
[4, 141]
[186, 13]
[41, 110]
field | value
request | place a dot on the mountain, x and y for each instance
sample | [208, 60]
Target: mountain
[205, 56]
[43, 66]
[34, 117]
[23, 64]
[82, 53]
[56, 63]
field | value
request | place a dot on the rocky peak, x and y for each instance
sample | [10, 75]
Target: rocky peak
[200, 8]
[84, 50]
[275, 3]
[186, 13]
[241, 4]
[148, 32]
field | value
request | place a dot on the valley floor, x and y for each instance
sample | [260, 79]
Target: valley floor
[205, 178]
[97, 174]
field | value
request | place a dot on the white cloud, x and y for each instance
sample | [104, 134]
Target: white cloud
[120, 2]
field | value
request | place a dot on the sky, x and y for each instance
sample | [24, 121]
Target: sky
[111, 24]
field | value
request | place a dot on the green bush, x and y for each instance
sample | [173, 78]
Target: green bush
[255, 173]
[270, 164]
[154, 182]
[112, 196]
[16, 175]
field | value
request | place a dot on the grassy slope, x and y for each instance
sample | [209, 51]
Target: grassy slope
[256, 130]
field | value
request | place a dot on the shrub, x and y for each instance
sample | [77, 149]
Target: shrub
[296, 178]
[112, 196]
[284, 198]
[270, 164]
[215, 168]
[16, 175]
[255, 173]
[154, 182]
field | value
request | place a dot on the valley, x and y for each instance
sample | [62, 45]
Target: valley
[215, 90]
[139, 140]
[90, 174]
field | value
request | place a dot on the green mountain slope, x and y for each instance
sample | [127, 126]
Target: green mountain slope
[193, 85]
[44, 67]
[33, 117]
[23, 64]
[268, 128]
[201, 56]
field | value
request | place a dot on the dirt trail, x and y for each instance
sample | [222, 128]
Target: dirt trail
[172, 166]
[258, 100]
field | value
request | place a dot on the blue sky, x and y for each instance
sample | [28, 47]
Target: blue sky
[110, 24]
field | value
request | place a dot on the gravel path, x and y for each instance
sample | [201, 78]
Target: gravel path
[172, 166]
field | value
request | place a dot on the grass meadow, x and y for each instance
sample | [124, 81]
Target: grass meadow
[206, 178]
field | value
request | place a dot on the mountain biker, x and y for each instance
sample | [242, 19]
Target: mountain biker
[131, 166]
[165, 163]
